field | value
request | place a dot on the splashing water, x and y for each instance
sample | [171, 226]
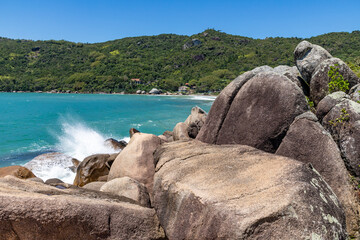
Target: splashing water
[79, 141]
[76, 140]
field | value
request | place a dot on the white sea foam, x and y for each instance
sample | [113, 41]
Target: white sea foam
[79, 140]
[204, 98]
[76, 140]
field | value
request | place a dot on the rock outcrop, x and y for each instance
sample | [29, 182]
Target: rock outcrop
[129, 188]
[319, 85]
[249, 194]
[307, 57]
[91, 168]
[255, 110]
[31, 210]
[308, 142]
[195, 121]
[136, 160]
[115, 144]
[343, 122]
[180, 132]
[16, 171]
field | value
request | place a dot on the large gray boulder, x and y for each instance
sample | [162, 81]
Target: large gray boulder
[319, 85]
[343, 122]
[136, 160]
[249, 194]
[328, 102]
[31, 210]
[154, 91]
[129, 188]
[307, 141]
[254, 110]
[307, 57]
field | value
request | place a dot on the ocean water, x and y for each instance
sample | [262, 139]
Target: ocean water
[78, 124]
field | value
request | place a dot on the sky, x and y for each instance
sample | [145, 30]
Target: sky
[90, 21]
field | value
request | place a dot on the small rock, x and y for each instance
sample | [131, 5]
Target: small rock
[132, 131]
[17, 171]
[129, 188]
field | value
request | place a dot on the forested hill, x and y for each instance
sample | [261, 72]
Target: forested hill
[208, 60]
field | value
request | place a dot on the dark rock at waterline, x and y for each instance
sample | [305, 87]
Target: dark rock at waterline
[132, 131]
[115, 144]
[255, 110]
[307, 141]
[319, 85]
[53, 181]
[249, 194]
[307, 57]
[111, 159]
[17, 171]
[31, 210]
[91, 168]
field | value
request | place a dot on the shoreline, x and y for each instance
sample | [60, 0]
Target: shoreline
[104, 93]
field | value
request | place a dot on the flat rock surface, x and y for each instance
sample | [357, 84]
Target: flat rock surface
[204, 191]
[31, 210]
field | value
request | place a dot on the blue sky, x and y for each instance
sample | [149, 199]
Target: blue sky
[103, 20]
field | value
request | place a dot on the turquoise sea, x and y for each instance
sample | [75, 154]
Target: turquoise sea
[77, 124]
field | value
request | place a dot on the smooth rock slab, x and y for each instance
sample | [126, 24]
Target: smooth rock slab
[204, 191]
[34, 211]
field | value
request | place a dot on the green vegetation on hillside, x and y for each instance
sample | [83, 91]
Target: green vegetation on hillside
[165, 61]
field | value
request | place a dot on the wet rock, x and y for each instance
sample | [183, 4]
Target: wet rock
[115, 144]
[91, 168]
